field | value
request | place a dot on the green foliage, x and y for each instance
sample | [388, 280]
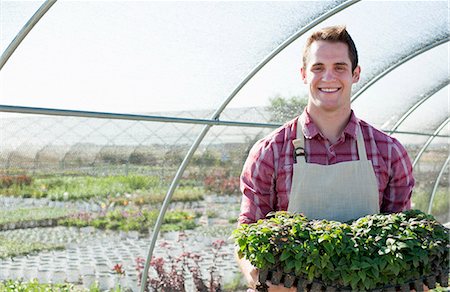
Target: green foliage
[371, 252]
[284, 109]
[441, 203]
[181, 194]
[12, 248]
[32, 214]
[208, 158]
[35, 286]
[174, 156]
[139, 157]
[82, 187]
[132, 220]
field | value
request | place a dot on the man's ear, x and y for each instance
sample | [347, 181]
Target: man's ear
[303, 74]
[356, 74]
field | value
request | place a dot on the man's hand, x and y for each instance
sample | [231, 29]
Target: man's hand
[251, 275]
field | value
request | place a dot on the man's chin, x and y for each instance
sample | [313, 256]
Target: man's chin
[326, 106]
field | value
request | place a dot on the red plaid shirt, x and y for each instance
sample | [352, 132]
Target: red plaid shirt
[267, 174]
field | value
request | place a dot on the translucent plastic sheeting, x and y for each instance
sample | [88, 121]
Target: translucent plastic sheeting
[32, 142]
[384, 32]
[430, 114]
[146, 56]
[386, 101]
[37, 141]
[426, 173]
[13, 16]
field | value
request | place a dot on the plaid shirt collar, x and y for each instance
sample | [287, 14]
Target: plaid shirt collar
[310, 130]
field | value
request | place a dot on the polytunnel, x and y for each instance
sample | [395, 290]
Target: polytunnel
[118, 108]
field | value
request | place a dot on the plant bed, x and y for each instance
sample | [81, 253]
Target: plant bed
[10, 248]
[31, 217]
[35, 286]
[132, 220]
[382, 252]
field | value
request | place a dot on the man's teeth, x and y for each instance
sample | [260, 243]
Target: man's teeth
[329, 89]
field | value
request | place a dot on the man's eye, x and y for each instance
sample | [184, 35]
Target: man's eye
[340, 69]
[316, 69]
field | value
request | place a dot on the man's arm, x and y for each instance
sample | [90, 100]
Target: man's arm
[257, 183]
[397, 195]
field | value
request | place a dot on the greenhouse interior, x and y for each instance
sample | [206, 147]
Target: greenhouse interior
[125, 125]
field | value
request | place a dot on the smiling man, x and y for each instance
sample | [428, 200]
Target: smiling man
[326, 163]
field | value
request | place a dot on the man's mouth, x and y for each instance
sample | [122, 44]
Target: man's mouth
[329, 89]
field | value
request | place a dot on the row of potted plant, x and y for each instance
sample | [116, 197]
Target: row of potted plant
[31, 217]
[14, 247]
[35, 285]
[374, 252]
[131, 220]
[85, 187]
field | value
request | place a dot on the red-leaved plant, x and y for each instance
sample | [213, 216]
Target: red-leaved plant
[171, 273]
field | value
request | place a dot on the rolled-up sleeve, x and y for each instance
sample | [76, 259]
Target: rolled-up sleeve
[397, 195]
[257, 183]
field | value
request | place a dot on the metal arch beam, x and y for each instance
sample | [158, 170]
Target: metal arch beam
[436, 184]
[417, 104]
[147, 118]
[128, 117]
[215, 116]
[24, 31]
[396, 65]
[428, 142]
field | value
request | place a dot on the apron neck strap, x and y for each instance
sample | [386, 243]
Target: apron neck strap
[299, 143]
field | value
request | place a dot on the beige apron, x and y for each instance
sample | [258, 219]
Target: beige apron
[341, 191]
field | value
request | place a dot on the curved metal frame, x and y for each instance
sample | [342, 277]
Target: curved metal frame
[436, 184]
[396, 65]
[428, 142]
[25, 30]
[417, 104]
[215, 116]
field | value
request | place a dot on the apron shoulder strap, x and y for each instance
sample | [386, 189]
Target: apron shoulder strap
[360, 143]
[299, 143]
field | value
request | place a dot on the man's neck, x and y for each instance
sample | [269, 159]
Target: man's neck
[330, 123]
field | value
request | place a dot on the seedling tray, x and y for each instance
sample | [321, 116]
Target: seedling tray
[382, 252]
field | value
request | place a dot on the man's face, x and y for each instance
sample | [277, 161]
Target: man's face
[329, 76]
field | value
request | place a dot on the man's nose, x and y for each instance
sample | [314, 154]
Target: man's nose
[328, 75]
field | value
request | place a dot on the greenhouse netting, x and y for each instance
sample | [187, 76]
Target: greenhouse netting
[124, 125]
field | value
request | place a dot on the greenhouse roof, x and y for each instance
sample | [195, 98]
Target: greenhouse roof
[145, 56]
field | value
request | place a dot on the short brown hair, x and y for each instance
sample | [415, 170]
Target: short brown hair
[337, 34]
